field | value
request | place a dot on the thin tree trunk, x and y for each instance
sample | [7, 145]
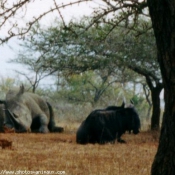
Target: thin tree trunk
[155, 119]
[155, 95]
[147, 95]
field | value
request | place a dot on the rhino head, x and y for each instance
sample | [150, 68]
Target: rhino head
[17, 114]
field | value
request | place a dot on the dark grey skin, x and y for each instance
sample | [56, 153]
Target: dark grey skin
[82, 135]
[102, 126]
[26, 112]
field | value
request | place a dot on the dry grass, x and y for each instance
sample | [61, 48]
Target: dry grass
[59, 152]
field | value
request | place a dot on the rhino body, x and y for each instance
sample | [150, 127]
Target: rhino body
[28, 112]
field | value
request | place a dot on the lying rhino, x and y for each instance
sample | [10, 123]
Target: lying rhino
[26, 112]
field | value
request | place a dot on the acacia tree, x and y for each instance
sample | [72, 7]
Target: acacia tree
[137, 54]
[35, 73]
[163, 23]
[58, 50]
[121, 11]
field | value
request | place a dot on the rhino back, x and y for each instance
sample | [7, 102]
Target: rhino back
[35, 103]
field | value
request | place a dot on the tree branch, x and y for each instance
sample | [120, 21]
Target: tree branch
[143, 72]
[129, 8]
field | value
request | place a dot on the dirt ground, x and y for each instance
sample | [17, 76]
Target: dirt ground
[58, 153]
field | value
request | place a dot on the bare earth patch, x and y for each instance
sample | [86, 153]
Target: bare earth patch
[59, 152]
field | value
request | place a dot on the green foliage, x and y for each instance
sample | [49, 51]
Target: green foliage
[7, 84]
[89, 66]
[85, 87]
[136, 99]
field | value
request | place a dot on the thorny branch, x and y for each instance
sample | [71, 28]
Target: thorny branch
[120, 10]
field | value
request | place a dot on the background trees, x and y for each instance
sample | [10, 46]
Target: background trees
[59, 51]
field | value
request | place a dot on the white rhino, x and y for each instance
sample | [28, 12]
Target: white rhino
[26, 112]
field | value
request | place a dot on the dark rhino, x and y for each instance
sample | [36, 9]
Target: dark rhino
[103, 126]
[117, 108]
[26, 112]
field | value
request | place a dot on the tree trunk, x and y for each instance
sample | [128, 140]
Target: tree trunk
[147, 94]
[162, 14]
[155, 96]
[155, 119]
[155, 87]
[164, 161]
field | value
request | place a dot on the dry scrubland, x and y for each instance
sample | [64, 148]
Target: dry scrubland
[59, 152]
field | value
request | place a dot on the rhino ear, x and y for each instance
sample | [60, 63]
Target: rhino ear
[21, 90]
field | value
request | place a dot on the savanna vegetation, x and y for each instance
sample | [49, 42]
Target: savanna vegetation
[92, 70]
[70, 58]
